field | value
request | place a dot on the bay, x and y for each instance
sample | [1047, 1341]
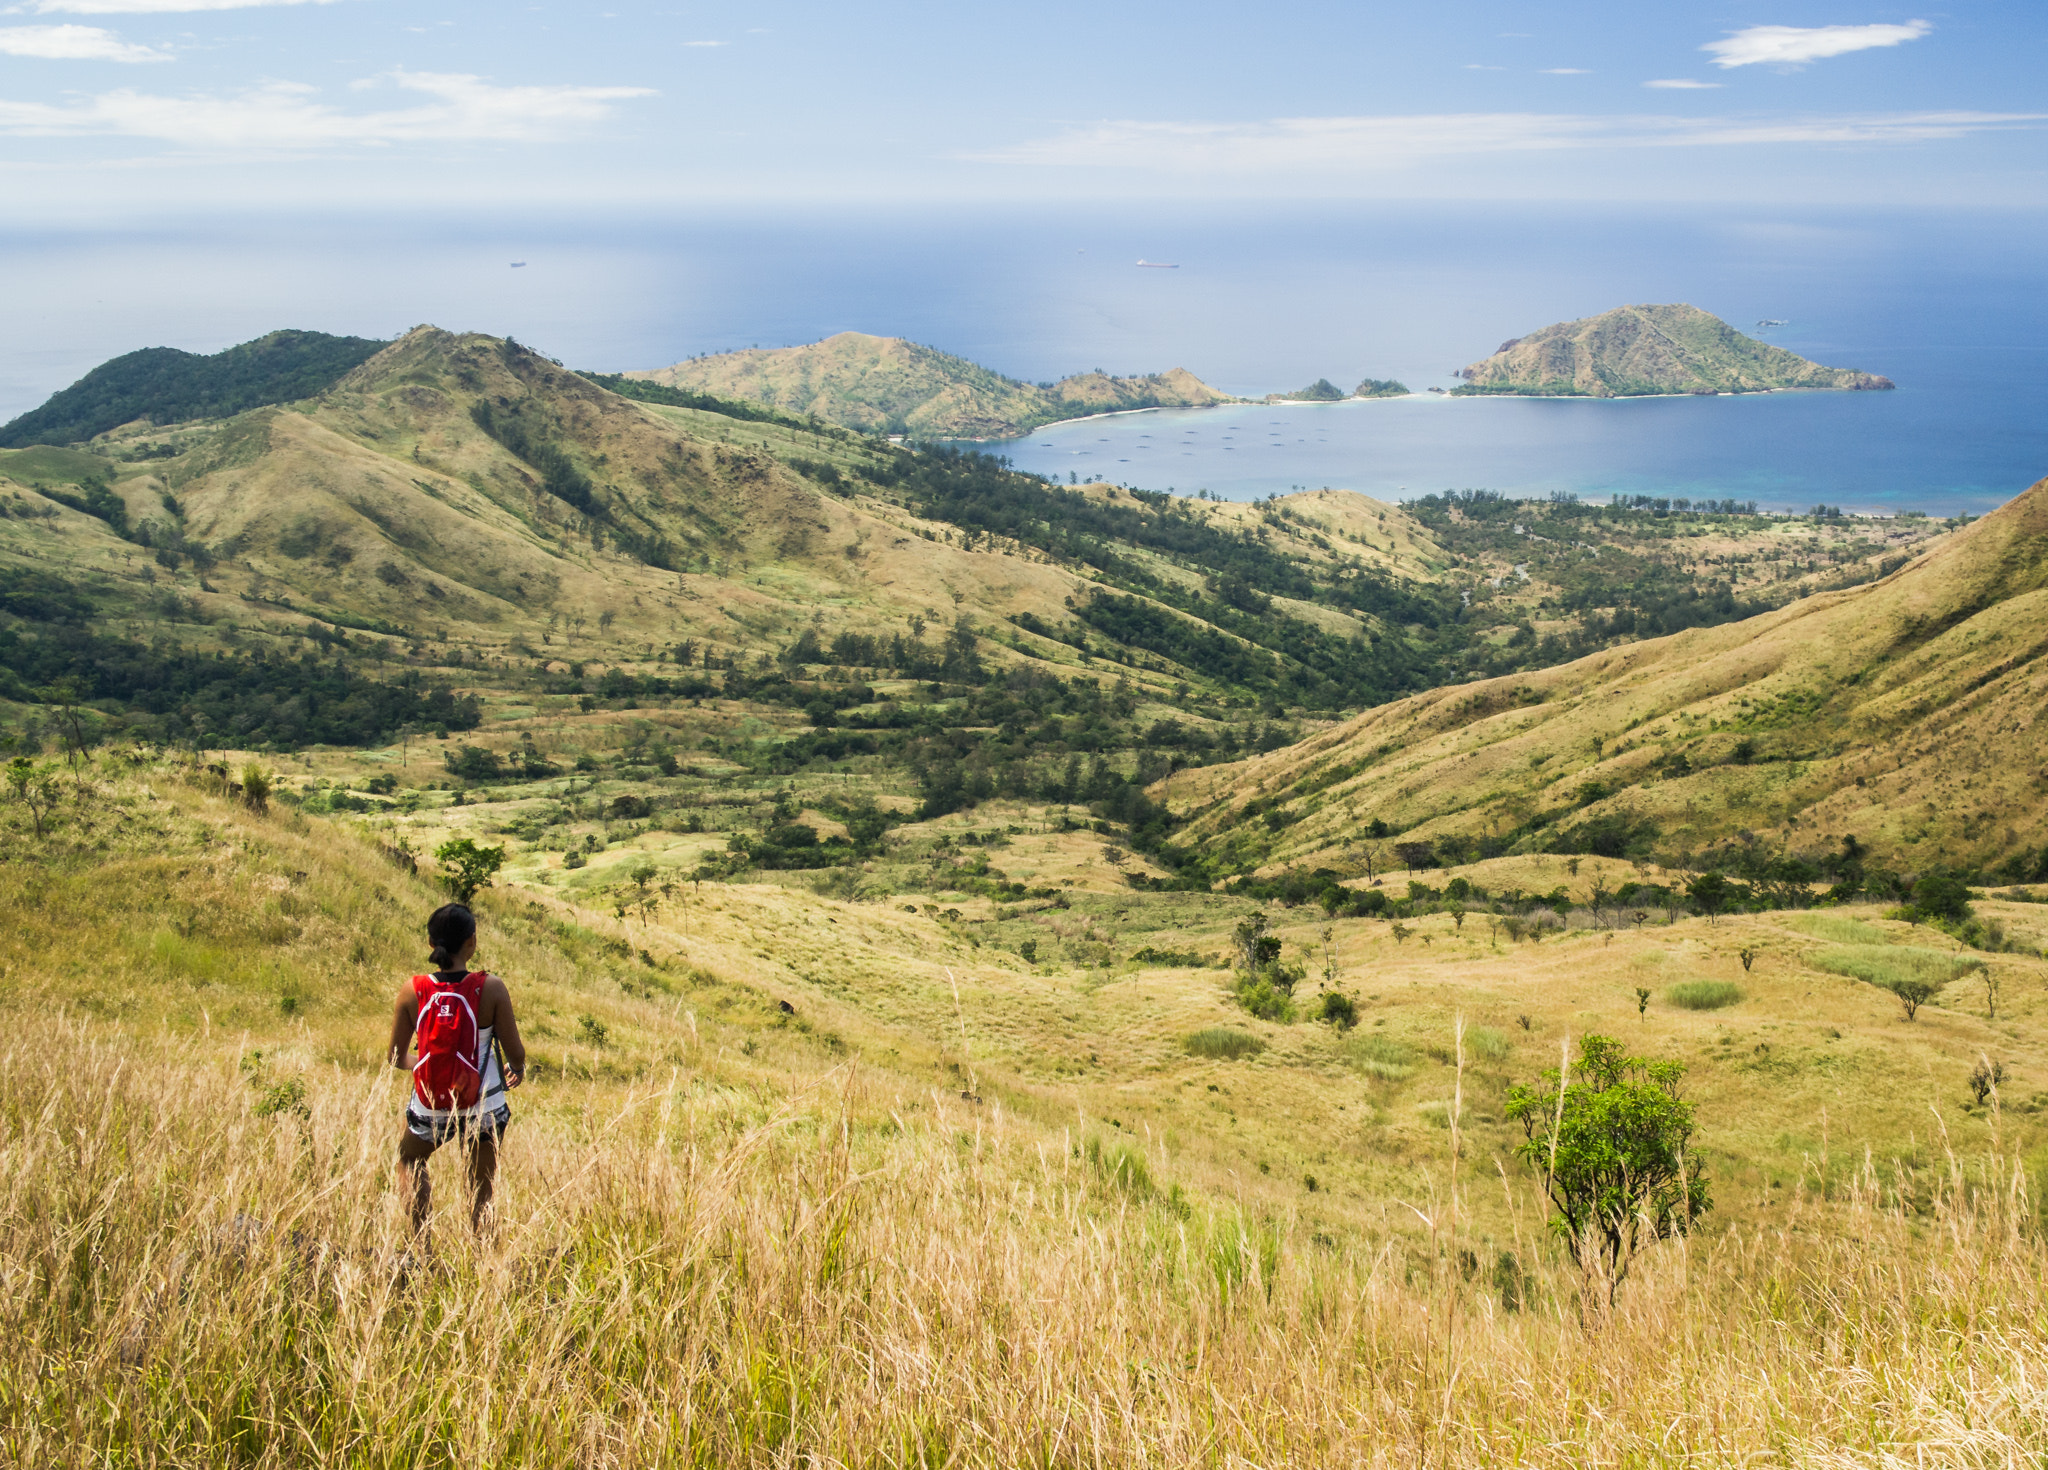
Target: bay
[1264, 299]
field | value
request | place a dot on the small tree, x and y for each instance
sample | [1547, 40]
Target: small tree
[1748, 958]
[1416, 856]
[1642, 1002]
[35, 786]
[467, 867]
[1912, 995]
[1709, 894]
[1255, 949]
[1985, 1078]
[1610, 1148]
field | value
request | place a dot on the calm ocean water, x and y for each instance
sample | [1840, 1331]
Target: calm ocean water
[1265, 299]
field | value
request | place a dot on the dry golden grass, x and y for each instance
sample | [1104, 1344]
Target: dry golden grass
[683, 1274]
[727, 1235]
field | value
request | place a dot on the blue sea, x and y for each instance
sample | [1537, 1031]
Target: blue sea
[1265, 299]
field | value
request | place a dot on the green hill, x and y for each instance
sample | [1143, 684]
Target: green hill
[1637, 351]
[1899, 713]
[167, 386]
[885, 385]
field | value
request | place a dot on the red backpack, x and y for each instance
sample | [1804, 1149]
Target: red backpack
[445, 1078]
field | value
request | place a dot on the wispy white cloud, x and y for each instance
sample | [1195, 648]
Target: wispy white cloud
[1797, 45]
[286, 116]
[153, 7]
[1566, 71]
[1399, 141]
[1681, 84]
[703, 43]
[1482, 66]
[73, 43]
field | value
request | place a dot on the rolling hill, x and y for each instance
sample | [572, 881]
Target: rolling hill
[1635, 351]
[1903, 713]
[164, 385]
[886, 385]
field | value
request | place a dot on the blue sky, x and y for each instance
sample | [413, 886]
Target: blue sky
[111, 105]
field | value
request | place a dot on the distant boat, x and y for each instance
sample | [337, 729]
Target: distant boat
[518, 264]
[1157, 265]
[1768, 322]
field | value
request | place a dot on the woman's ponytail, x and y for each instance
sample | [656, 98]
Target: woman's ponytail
[449, 927]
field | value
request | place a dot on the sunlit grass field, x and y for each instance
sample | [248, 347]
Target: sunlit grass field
[730, 1234]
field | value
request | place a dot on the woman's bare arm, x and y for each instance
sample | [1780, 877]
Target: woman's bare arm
[404, 1017]
[498, 1002]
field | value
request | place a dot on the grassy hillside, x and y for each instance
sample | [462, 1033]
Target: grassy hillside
[1636, 350]
[697, 603]
[796, 1176]
[886, 385]
[1900, 713]
[166, 386]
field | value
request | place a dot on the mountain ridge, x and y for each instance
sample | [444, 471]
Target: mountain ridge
[890, 385]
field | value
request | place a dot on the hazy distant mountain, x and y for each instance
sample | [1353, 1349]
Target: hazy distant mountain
[1638, 350]
[165, 385]
[888, 385]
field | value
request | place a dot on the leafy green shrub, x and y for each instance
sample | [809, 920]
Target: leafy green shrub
[1262, 998]
[1221, 1043]
[1339, 1010]
[1703, 995]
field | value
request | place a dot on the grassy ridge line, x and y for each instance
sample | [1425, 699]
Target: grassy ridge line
[718, 1243]
[1895, 711]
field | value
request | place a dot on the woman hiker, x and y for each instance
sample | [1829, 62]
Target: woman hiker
[469, 1054]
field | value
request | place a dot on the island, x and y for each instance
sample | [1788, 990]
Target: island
[888, 385]
[1639, 351]
[1322, 390]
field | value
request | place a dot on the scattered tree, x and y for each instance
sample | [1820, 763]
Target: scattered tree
[1611, 1149]
[467, 867]
[1709, 894]
[1642, 1001]
[35, 787]
[1912, 995]
[1748, 958]
[1985, 1078]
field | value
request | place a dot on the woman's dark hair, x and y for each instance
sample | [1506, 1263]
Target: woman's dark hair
[448, 929]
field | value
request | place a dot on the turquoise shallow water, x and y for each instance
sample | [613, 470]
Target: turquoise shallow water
[1266, 299]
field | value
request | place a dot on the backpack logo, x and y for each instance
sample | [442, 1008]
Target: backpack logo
[445, 1078]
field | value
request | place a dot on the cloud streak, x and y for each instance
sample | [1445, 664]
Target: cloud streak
[1797, 45]
[282, 116]
[73, 43]
[1394, 142]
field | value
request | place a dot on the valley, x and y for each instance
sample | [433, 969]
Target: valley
[1011, 971]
